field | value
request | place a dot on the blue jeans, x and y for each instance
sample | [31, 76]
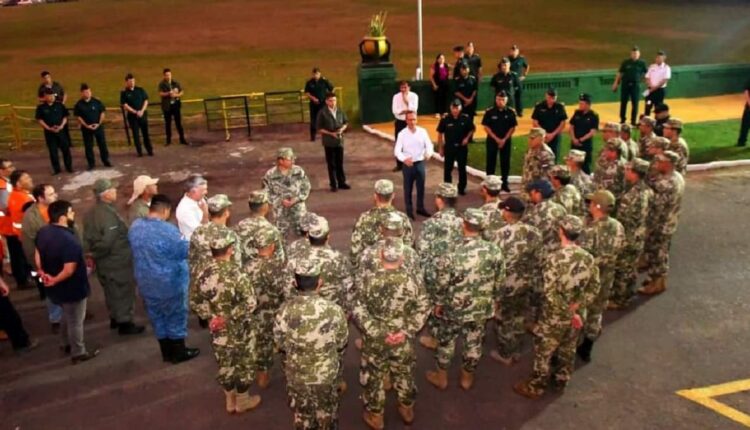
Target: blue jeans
[54, 312]
[415, 173]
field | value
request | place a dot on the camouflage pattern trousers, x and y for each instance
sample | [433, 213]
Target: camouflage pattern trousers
[234, 355]
[264, 346]
[509, 326]
[657, 254]
[315, 406]
[378, 359]
[593, 326]
[287, 219]
[472, 335]
[556, 341]
[626, 275]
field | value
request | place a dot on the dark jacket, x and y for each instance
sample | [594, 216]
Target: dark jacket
[326, 121]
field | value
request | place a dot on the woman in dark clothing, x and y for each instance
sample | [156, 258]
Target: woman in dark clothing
[439, 74]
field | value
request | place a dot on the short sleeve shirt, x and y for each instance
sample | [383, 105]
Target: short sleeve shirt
[58, 246]
[584, 122]
[518, 65]
[549, 118]
[500, 121]
[165, 86]
[134, 98]
[318, 88]
[455, 130]
[633, 70]
[57, 89]
[89, 111]
[51, 114]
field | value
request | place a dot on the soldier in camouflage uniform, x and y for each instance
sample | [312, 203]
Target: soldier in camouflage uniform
[657, 146]
[632, 211]
[610, 168]
[390, 307]
[673, 132]
[311, 334]
[439, 235]
[225, 297]
[578, 178]
[668, 190]
[288, 189]
[566, 194]
[626, 135]
[568, 274]
[611, 131]
[303, 243]
[366, 230]
[521, 245]
[251, 227]
[539, 158]
[646, 134]
[604, 238]
[490, 191]
[335, 271]
[272, 287]
[470, 282]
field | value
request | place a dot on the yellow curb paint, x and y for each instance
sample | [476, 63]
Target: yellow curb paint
[705, 396]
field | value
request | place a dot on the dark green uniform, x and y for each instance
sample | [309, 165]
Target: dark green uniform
[584, 122]
[136, 98]
[318, 89]
[454, 132]
[500, 121]
[632, 72]
[518, 65]
[52, 115]
[507, 82]
[475, 63]
[90, 112]
[171, 108]
[56, 88]
[549, 119]
[466, 87]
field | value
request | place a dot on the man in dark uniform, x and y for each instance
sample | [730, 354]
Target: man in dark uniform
[60, 96]
[583, 127]
[745, 126]
[474, 60]
[550, 115]
[520, 67]
[505, 80]
[170, 92]
[53, 116]
[315, 90]
[135, 102]
[466, 91]
[632, 71]
[661, 112]
[458, 54]
[499, 123]
[90, 113]
[454, 133]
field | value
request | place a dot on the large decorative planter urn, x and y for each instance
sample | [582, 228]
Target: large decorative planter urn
[375, 50]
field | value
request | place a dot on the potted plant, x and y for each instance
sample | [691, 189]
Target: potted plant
[375, 47]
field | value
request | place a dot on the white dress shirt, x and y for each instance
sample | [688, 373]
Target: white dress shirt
[413, 144]
[656, 73]
[189, 216]
[398, 105]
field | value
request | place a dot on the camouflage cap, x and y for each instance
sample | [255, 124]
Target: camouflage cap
[222, 238]
[447, 190]
[576, 155]
[669, 156]
[613, 145]
[612, 126]
[571, 224]
[492, 182]
[537, 132]
[320, 229]
[264, 237]
[392, 222]
[513, 204]
[474, 217]
[258, 197]
[659, 142]
[639, 165]
[383, 187]
[602, 198]
[647, 120]
[218, 202]
[103, 184]
[286, 153]
[675, 123]
[307, 267]
[392, 249]
[308, 220]
[625, 128]
[560, 172]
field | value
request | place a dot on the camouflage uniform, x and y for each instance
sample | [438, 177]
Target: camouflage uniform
[302, 244]
[388, 301]
[470, 280]
[537, 162]
[367, 229]
[644, 141]
[567, 195]
[680, 147]
[545, 216]
[632, 147]
[311, 333]
[632, 211]
[292, 185]
[249, 229]
[493, 216]
[199, 254]
[608, 175]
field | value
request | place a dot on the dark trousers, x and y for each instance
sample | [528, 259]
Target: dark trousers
[398, 125]
[629, 91]
[744, 127]
[415, 173]
[441, 98]
[11, 323]
[314, 109]
[335, 163]
[139, 126]
[554, 145]
[492, 152]
[18, 264]
[176, 113]
[518, 100]
[58, 142]
[88, 144]
[456, 154]
[655, 98]
[587, 146]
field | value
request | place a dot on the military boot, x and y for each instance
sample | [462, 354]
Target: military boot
[262, 379]
[495, 355]
[231, 400]
[522, 388]
[166, 349]
[584, 350]
[438, 378]
[179, 352]
[467, 379]
[246, 402]
[407, 413]
[374, 421]
[428, 342]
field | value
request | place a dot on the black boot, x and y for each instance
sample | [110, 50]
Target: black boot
[166, 351]
[584, 350]
[113, 324]
[180, 353]
[203, 323]
[129, 328]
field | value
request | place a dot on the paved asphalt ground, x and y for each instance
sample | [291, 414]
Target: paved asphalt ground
[694, 335]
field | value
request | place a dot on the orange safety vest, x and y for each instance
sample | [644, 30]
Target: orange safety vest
[5, 226]
[16, 201]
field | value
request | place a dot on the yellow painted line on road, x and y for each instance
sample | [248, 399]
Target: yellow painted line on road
[706, 396]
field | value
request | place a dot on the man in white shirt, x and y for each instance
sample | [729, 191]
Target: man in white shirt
[413, 149]
[657, 77]
[192, 210]
[404, 101]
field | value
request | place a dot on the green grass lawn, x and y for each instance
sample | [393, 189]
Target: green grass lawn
[708, 141]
